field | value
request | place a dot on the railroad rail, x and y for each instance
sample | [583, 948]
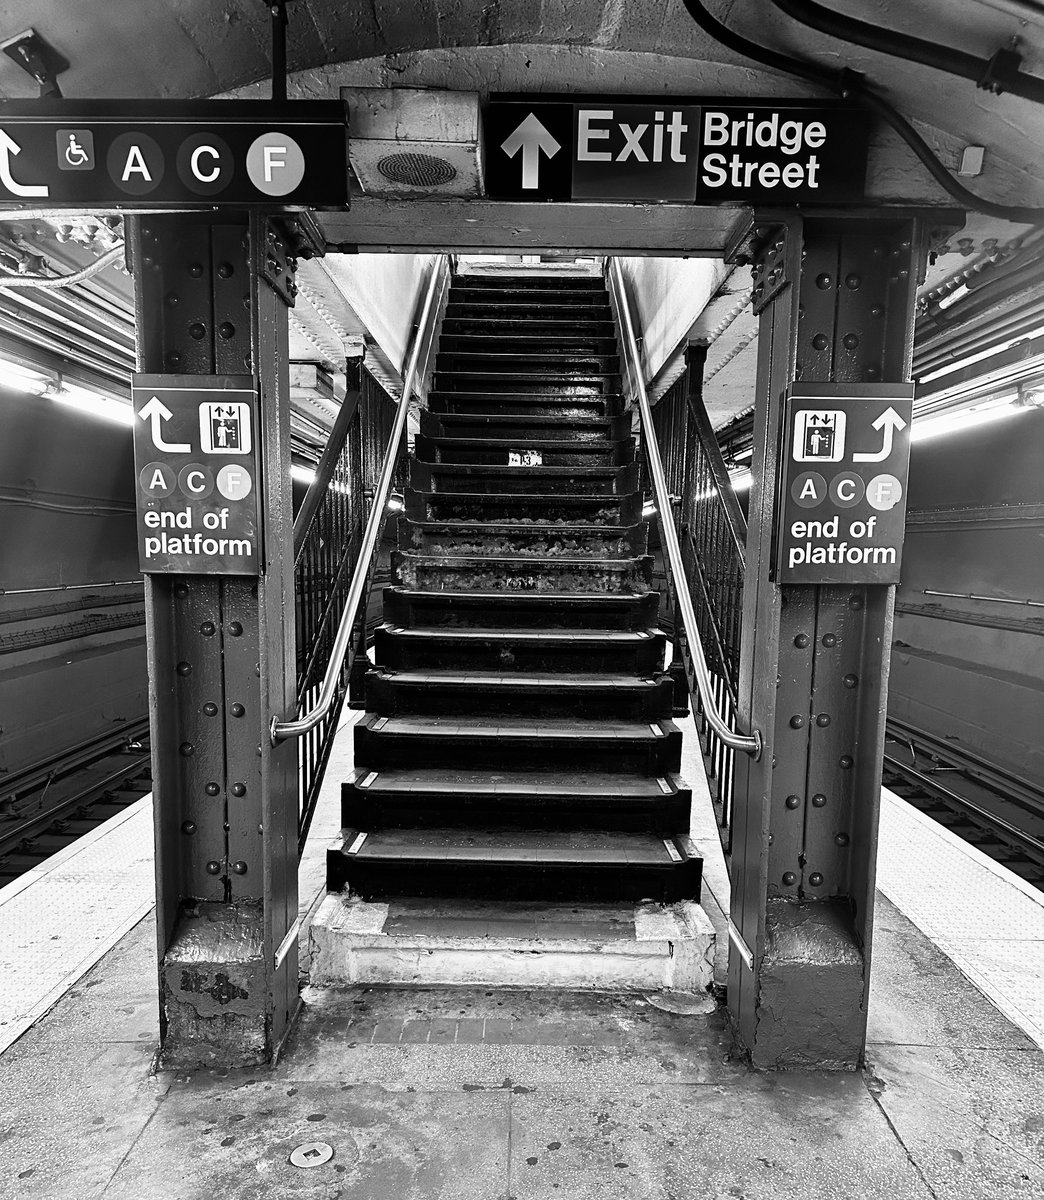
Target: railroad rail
[997, 811]
[49, 805]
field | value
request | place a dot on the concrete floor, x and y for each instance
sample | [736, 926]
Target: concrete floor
[524, 1096]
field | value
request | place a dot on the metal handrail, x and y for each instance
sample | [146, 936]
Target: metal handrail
[749, 743]
[304, 722]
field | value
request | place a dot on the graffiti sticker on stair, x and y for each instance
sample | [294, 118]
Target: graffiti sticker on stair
[525, 458]
[842, 504]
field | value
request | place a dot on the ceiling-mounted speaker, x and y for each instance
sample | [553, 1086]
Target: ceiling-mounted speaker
[414, 141]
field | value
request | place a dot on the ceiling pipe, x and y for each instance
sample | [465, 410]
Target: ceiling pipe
[851, 86]
[998, 74]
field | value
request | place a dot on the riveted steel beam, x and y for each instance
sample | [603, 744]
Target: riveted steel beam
[221, 658]
[836, 304]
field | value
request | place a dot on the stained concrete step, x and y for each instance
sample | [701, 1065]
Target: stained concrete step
[508, 507]
[401, 797]
[638, 652]
[519, 288]
[525, 865]
[499, 540]
[491, 478]
[582, 307]
[506, 426]
[555, 383]
[519, 743]
[525, 404]
[520, 610]
[461, 573]
[608, 947]
[457, 692]
[497, 451]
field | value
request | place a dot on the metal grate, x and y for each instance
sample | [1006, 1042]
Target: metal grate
[417, 170]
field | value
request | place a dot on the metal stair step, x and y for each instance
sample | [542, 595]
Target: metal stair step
[459, 573]
[636, 653]
[458, 691]
[549, 426]
[521, 743]
[401, 797]
[520, 610]
[480, 538]
[527, 507]
[547, 865]
[497, 451]
[487, 478]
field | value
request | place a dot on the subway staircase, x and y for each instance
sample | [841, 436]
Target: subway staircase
[517, 743]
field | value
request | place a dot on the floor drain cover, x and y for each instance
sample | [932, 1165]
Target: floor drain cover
[311, 1154]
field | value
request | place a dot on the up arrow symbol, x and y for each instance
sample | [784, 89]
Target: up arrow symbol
[889, 421]
[531, 137]
[157, 412]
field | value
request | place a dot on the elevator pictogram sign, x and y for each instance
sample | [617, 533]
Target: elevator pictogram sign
[844, 465]
[161, 153]
[197, 471]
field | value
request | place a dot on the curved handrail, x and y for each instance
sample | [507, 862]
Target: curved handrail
[749, 743]
[304, 722]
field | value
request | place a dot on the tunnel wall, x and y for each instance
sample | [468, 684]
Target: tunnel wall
[963, 669]
[72, 662]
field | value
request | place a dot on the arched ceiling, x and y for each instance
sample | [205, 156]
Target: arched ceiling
[192, 48]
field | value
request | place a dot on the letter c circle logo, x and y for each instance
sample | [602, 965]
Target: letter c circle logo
[205, 164]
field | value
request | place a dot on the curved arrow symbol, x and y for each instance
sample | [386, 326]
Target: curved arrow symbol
[8, 149]
[156, 412]
[531, 137]
[889, 421]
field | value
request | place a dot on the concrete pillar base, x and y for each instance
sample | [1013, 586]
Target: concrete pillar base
[213, 985]
[810, 1011]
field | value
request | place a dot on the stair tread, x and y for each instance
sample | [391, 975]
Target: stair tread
[470, 418]
[531, 560]
[518, 783]
[548, 472]
[515, 527]
[603, 444]
[550, 599]
[589, 846]
[441, 633]
[530, 680]
[575, 728]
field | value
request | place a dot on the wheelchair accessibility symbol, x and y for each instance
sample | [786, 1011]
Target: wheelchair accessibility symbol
[75, 149]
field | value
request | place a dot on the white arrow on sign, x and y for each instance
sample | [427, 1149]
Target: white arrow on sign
[531, 137]
[156, 411]
[889, 421]
[8, 149]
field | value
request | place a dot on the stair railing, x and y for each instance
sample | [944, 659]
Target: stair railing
[700, 679]
[315, 708]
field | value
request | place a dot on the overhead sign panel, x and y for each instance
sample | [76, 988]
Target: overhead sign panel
[845, 466]
[685, 151]
[157, 154]
[195, 440]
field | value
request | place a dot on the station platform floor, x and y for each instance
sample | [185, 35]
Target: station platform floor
[514, 1095]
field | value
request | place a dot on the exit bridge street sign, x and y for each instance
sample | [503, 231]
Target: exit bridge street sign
[173, 153]
[696, 151]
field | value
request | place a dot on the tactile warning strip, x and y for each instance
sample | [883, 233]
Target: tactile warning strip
[986, 919]
[58, 919]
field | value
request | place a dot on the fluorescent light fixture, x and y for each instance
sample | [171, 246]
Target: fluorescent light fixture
[741, 480]
[111, 408]
[395, 503]
[959, 363]
[743, 455]
[302, 474]
[964, 418]
[648, 510]
[22, 379]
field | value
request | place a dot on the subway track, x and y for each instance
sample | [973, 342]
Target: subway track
[992, 809]
[50, 805]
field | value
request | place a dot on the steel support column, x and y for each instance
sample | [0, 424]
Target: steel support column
[211, 296]
[836, 305]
